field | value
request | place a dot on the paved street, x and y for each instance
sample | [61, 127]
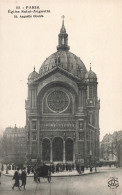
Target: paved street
[93, 184]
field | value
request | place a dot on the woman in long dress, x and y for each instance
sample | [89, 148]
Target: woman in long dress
[16, 177]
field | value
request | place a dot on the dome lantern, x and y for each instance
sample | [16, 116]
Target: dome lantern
[63, 38]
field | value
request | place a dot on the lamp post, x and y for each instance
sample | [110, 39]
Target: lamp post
[95, 154]
[90, 160]
[95, 165]
[90, 157]
[6, 168]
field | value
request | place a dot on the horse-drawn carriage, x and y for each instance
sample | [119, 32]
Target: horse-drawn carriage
[42, 171]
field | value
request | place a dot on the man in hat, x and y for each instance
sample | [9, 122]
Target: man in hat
[23, 178]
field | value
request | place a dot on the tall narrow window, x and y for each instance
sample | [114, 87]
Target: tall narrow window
[34, 126]
[34, 137]
[90, 91]
[63, 41]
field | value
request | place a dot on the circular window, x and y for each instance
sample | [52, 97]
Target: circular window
[58, 101]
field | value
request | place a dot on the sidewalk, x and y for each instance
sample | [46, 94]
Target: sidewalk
[60, 174]
[67, 173]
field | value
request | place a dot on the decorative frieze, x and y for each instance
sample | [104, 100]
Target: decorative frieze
[57, 125]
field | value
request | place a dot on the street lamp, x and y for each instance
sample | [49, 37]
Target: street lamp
[90, 160]
[95, 165]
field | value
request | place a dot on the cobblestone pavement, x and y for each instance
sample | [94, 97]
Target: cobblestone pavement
[93, 184]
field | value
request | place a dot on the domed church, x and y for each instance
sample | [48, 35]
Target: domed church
[62, 109]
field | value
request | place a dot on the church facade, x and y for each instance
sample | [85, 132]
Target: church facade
[62, 109]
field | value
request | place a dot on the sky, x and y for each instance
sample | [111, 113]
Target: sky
[94, 34]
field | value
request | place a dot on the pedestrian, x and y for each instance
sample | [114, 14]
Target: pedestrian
[66, 167]
[35, 176]
[91, 169]
[52, 168]
[70, 167]
[16, 177]
[63, 167]
[23, 178]
[73, 166]
[28, 170]
[82, 168]
[57, 168]
[0, 176]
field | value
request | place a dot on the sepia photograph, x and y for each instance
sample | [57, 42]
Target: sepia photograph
[61, 97]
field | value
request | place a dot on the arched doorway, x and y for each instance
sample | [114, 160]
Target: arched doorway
[69, 149]
[46, 150]
[57, 149]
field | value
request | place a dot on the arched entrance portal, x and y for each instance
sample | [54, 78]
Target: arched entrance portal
[46, 150]
[69, 149]
[57, 149]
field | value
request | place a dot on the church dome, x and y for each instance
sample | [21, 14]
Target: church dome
[67, 61]
[63, 58]
[33, 75]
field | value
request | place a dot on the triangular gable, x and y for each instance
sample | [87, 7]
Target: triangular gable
[52, 72]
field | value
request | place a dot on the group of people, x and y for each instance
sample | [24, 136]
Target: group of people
[62, 167]
[59, 167]
[19, 177]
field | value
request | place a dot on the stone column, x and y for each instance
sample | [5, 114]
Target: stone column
[38, 139]
[33, 97]
[76, 139]
[41, 149]
[87, 92]
[30, 149]
[51, 152]
[64, 153]
[90, 143]
[74, 151]
[82, 94]
[85, 141]
[80, 100]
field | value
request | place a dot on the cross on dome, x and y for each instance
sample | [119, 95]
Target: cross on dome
[63, 21]
[90, 65]
[63, 17]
